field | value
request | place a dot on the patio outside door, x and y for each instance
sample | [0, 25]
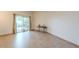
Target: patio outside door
[22, 23]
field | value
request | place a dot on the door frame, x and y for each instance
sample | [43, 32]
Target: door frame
[14, 22]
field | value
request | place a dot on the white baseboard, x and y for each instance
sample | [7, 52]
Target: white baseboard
[74, 42]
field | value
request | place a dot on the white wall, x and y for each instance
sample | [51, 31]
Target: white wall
[62, 24]
[6, 20]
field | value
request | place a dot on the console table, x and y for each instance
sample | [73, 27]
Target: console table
[42, 28]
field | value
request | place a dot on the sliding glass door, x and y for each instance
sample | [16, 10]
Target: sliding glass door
[22, 23]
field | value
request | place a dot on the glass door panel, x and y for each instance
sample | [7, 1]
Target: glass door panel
[22, 24]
